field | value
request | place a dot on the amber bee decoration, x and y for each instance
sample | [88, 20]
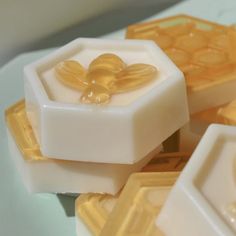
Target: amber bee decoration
[106, 75]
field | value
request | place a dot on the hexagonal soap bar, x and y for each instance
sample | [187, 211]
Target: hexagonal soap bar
[42, 174]
[111, 101]
[203, 50]
[202, 202]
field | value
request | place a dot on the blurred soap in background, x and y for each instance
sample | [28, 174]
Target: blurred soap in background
[28, 25]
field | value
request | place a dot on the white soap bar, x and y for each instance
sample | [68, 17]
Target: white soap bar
[71, 176]
[122, 131]
[203, 200]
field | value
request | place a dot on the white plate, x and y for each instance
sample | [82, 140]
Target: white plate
[22, 213]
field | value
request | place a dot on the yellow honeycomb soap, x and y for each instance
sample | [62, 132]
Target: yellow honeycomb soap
[203, 50]
[23, 134]
[139, 204]
[94, 209]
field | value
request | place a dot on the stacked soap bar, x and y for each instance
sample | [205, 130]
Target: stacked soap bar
[203, 50]
[95, 111]
[42, 174]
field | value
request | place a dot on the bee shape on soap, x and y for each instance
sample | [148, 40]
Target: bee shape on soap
[106, 75]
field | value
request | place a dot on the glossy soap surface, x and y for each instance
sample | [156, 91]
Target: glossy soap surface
[23, 133]
[106, 75]
[205, 189]
[139, 204]
[201, 49]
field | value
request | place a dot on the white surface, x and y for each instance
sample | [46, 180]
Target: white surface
[73, 177]
[205, 189]
[108, 133]
[221, 192]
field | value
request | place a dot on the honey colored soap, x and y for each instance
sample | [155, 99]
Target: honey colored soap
[94, 209]
[202, 201]
[42, 174]
[203, 50]
[139, 204]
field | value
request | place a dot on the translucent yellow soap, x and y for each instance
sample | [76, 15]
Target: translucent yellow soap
[225, 114]
[139, 204]
[146, 191]
[94, 209]
[203, 50]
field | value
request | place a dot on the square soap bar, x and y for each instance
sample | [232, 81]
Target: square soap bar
[205, 192]
[142, 95]
[41, 174]
[94, 209]
[139, 204]
[203, 50]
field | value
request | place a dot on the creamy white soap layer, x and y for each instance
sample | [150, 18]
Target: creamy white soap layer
[61, 93]
[123, 131]
[73, 177]
[205, 192]
[219, 186]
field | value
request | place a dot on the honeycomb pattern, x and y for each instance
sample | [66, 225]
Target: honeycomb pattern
[22, 131]
[94, 209]
[139, 204]
[201, 49]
